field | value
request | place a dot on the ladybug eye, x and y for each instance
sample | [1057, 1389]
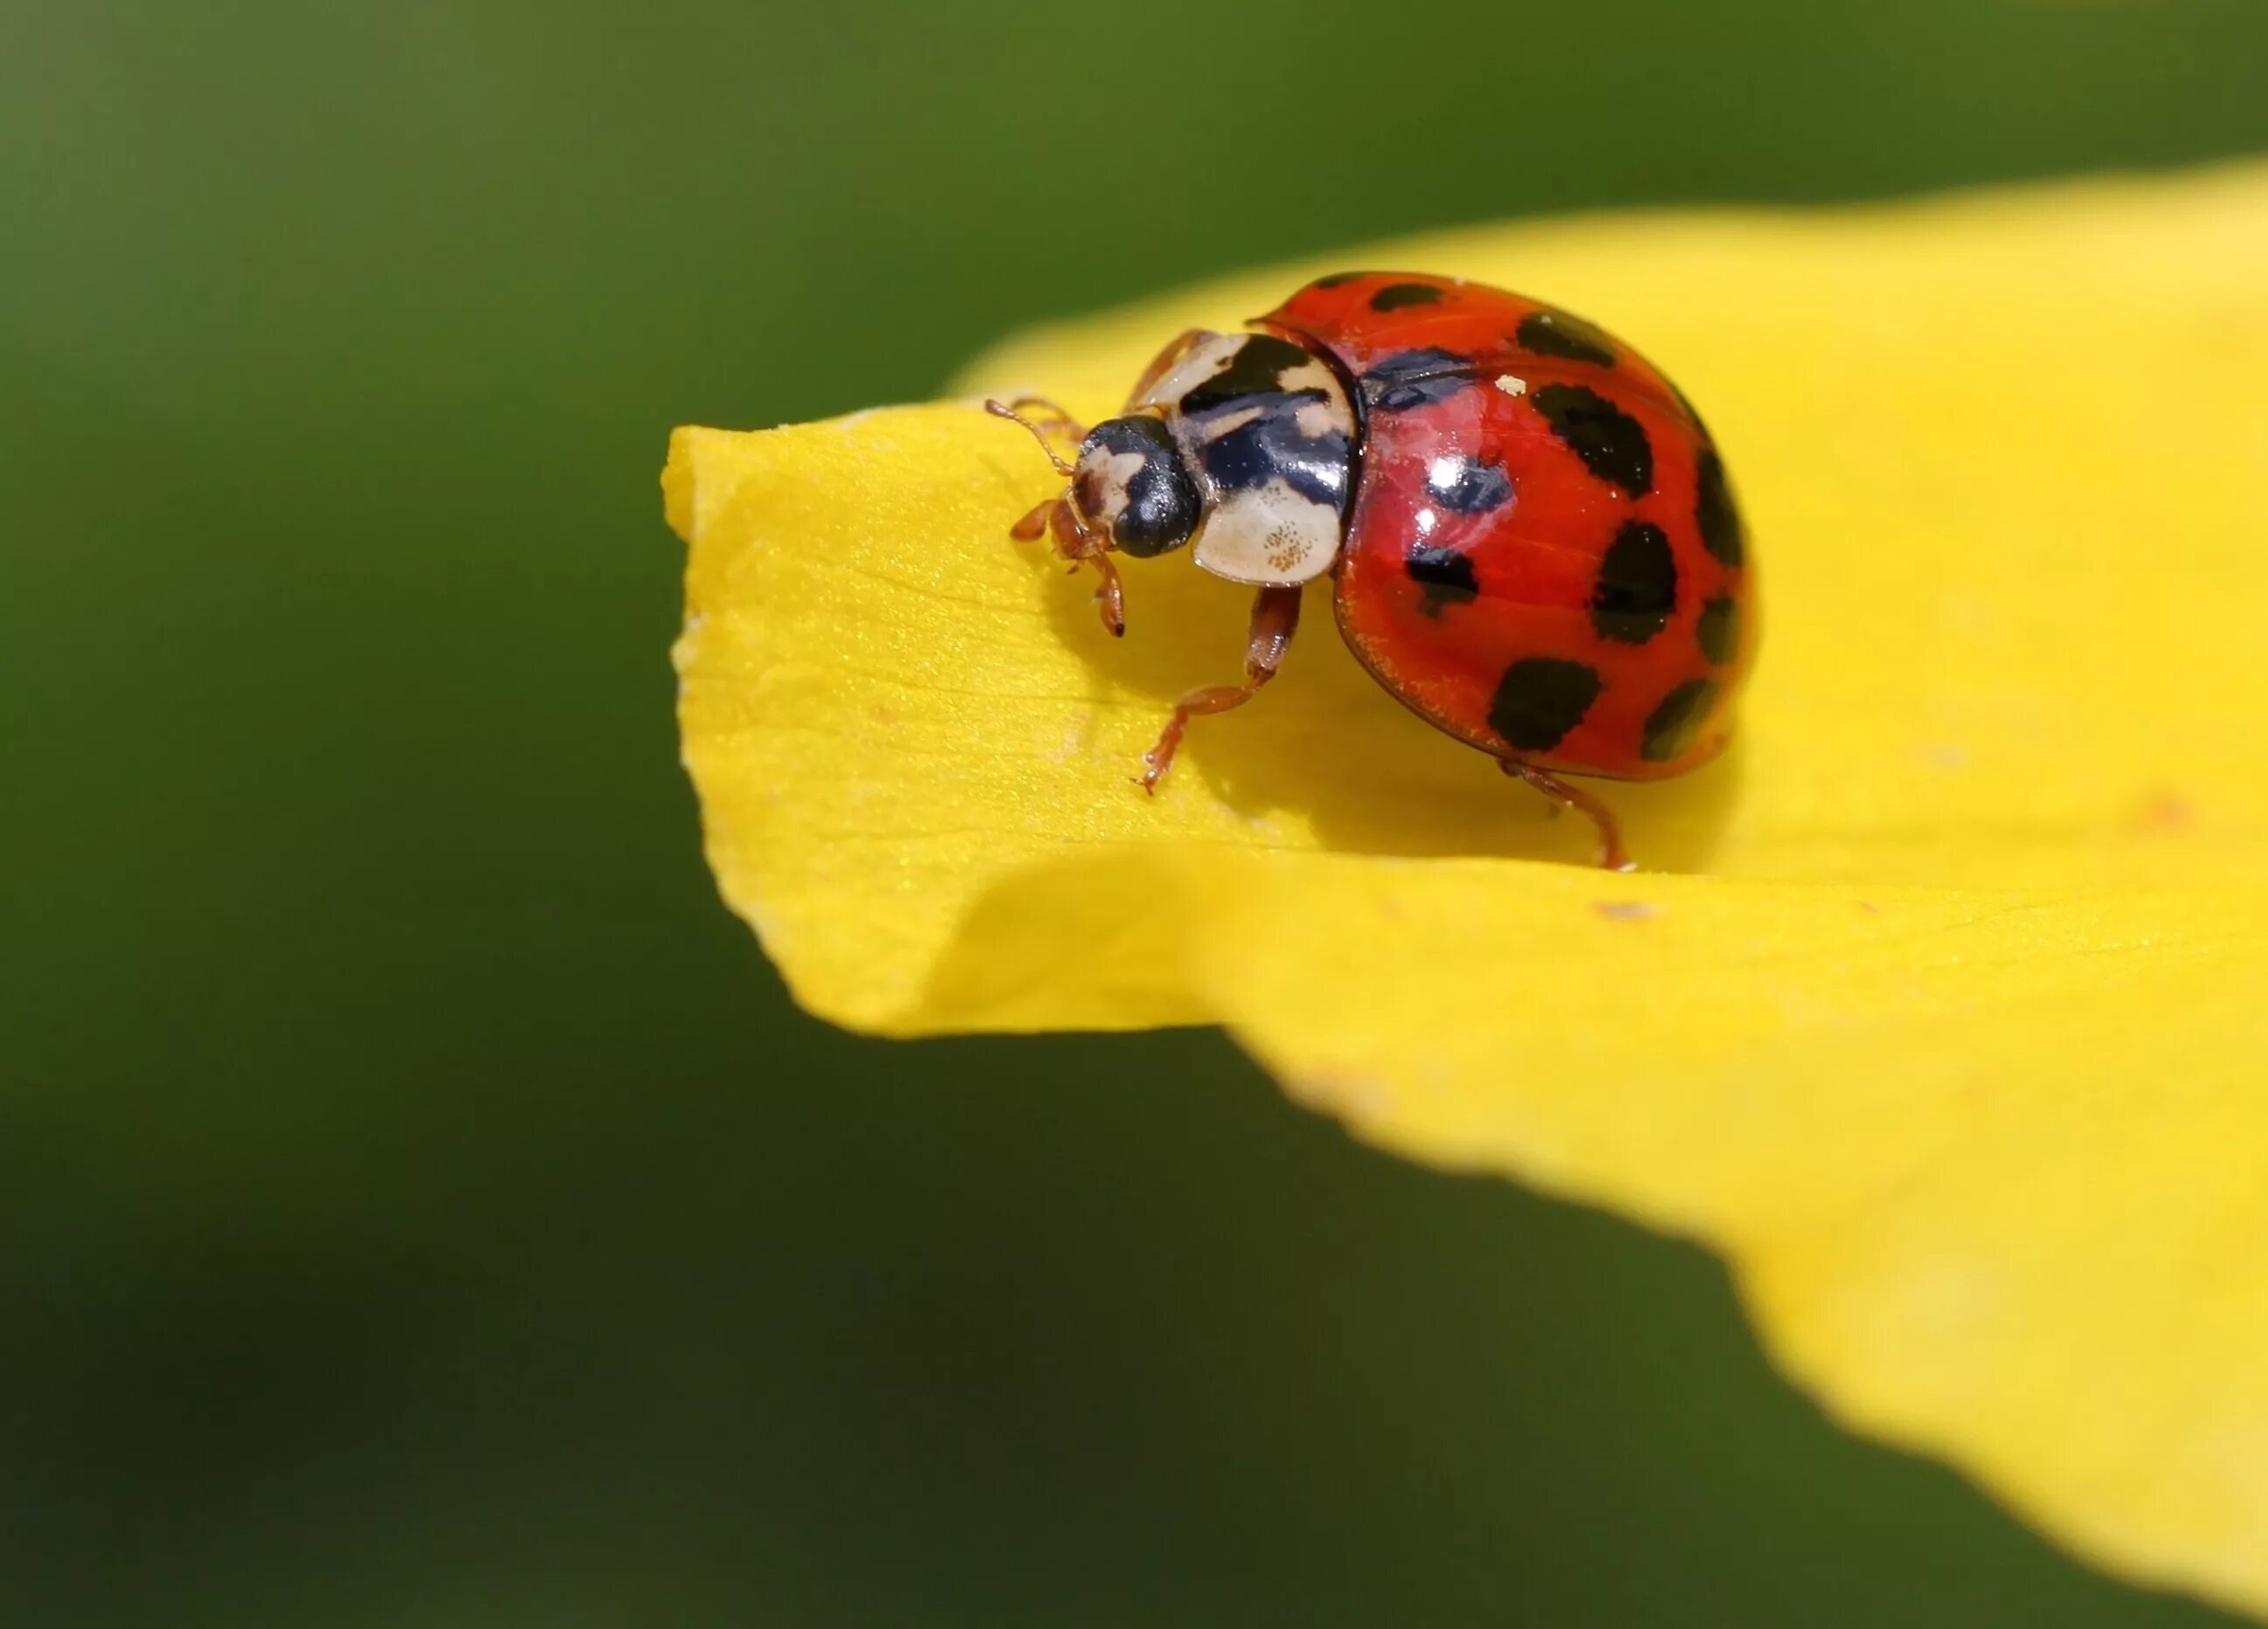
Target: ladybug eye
[1131, 483]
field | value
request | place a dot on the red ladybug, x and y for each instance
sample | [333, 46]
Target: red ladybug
[1532, 540]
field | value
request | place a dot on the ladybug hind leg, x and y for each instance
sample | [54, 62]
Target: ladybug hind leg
[1275, 619]
[1566, 795]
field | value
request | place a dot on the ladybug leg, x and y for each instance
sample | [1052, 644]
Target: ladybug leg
[1110, 597]
[1275, 617]
[1077, 546]
[1158, 369]
[1034, 523]
[1566, 795]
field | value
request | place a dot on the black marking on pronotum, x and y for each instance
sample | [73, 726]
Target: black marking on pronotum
[1268, 445]
[1611, 444]
[1719, 630]
[1669, 728]
[1273, 448]
[1721, 533]
[1467, 486]
[1394, 295]
[1539, 699]
[1256, 368]
[1163, 506]
[1637, 586]
[1550, 333]
[1445, 575]
[1415, 378]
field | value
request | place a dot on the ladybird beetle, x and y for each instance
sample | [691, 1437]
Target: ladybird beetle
[1531, 537]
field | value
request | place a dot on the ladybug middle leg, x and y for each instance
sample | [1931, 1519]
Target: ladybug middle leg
[1612, 855]
[1275, 619]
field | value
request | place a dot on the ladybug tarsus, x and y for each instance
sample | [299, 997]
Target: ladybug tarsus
[1564, 795]
[1275, 619]
[1110, 596]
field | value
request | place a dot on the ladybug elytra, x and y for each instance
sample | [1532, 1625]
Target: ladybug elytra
[1531, 536]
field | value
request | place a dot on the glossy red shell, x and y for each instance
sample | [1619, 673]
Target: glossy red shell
[1543, 557]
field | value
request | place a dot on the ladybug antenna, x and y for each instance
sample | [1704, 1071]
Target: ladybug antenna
[1007, 410]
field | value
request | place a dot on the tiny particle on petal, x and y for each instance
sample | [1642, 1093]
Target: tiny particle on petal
[1626, 910]
[2167, 813]
[1512, 385]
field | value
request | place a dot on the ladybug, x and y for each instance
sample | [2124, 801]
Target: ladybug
[1531, 537]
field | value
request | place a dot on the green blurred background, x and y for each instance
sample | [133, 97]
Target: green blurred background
[418, 1202]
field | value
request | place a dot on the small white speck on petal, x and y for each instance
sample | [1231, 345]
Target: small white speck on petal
[1626, 910]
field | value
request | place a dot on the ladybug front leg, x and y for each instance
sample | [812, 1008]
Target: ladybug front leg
[1275, 617]
[1034, 525]
[1081, 547]
[1612, 855]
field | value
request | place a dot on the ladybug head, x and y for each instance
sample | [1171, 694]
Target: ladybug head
[1131, 486]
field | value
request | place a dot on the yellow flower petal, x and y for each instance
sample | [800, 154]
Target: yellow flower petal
[1944, 1009]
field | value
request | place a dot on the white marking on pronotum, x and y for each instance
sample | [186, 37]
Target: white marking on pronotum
[1268, 534]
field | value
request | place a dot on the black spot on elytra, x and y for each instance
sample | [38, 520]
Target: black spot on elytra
[1256, 369]
[1394, 295]
[1611, 444]
[1550, 333]
[1719, 630]
[1669, 728]
[1721, 532]
[1539, 699]
[1445, 574]
[1636, 587]
[1468, 486]
[1415, 378]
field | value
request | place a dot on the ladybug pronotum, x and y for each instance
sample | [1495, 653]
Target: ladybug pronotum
[1531, 535]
